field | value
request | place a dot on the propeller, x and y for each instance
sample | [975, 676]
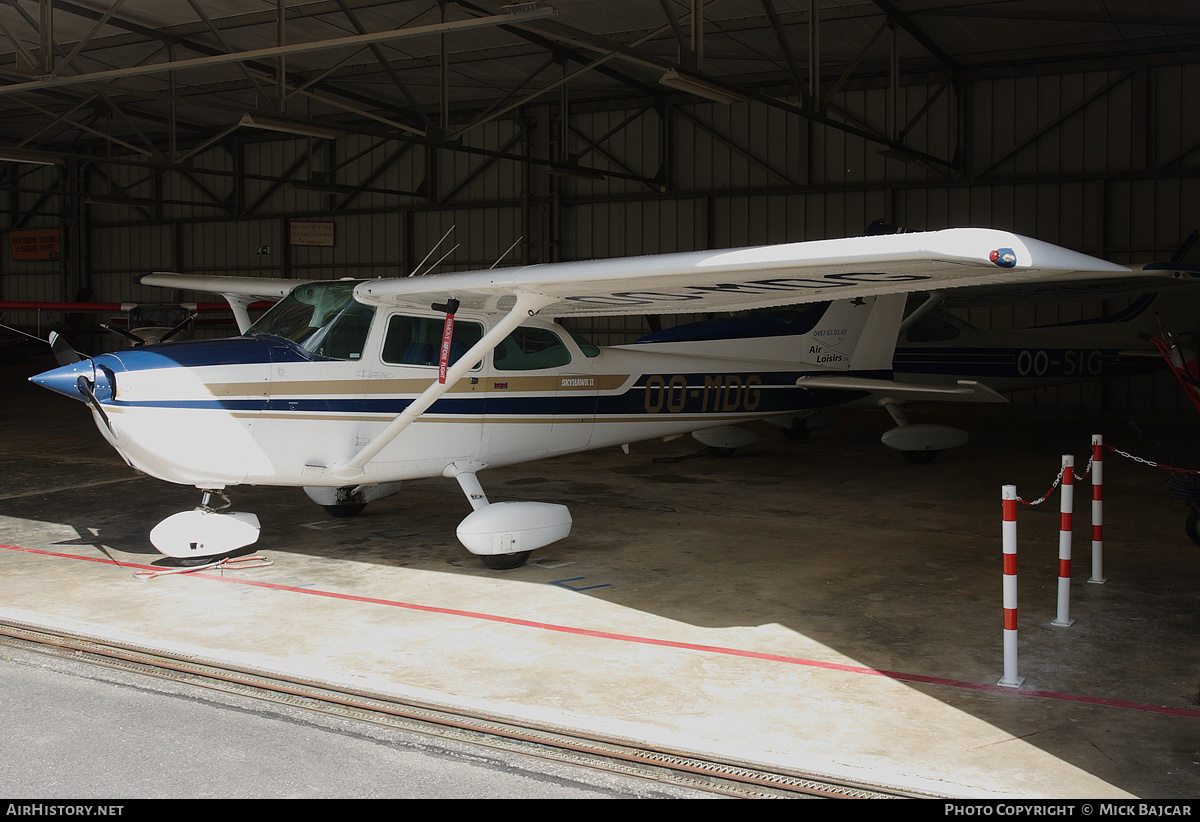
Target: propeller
[63, 352]
[66, 355]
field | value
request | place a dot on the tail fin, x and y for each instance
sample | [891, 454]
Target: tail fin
[843, 335]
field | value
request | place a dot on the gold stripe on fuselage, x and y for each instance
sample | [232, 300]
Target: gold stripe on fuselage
[382, 386]
[459, 419]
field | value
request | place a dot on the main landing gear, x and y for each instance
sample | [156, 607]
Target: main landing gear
[349, 509]
[350, 500]
[503, 534]
[920, 444]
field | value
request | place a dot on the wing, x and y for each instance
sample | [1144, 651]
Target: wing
[261, 287]
[239, 292]
[73, 308]
[722, 280]
[759, 277]
[111, 308]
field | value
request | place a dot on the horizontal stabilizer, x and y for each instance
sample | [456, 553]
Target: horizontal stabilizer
[963, 391]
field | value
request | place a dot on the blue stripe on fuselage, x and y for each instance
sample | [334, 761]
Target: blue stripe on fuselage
[696, 393]
[196, 353]
[664, 394]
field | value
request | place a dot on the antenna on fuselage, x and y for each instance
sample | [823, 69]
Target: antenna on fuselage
[430, 254]
[439, 262]
[505, 254]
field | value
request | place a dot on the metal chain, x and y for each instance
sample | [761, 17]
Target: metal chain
[1046, 495]
[1058, 480]
[1088, 470]
[1151, 463]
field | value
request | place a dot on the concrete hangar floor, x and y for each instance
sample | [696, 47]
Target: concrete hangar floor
[816, 606]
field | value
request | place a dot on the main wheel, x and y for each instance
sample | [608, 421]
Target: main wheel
[920, 457]
[505, 562]
[1193, 524]
[798, 430]
[348, 509]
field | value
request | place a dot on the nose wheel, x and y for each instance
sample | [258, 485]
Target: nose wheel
[205, 532]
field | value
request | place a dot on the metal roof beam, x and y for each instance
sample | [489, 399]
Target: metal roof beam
[786, 47]
[279, 51]
[381, 59]
[917, 33]
[1057, 121]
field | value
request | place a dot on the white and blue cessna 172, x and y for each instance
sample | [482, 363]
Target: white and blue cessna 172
[347, 388]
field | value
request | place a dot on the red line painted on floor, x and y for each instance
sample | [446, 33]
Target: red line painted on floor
[664, 643]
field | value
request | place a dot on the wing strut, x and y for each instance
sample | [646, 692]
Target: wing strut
[240, 304]
[528, 303]
[932, 301]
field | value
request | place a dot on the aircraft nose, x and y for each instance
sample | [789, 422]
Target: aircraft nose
[65, 379]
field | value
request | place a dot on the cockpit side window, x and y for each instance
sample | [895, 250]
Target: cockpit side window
[418, 340]
[588, 348]
[322, 318]
[530, 349]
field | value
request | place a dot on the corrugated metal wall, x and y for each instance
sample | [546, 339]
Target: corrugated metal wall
[1105, 162]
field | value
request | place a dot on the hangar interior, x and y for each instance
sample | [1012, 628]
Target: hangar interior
[383, 138]
[182, 137]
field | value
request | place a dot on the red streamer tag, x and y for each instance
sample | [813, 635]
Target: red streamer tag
[444, 355]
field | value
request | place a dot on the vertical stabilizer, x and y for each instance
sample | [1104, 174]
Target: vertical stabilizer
[877, 340]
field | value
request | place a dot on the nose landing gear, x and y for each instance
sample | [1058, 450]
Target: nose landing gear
[205, 532]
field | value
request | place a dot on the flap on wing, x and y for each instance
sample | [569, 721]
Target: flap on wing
[759, 277]
[963, 391]
[1148, 279]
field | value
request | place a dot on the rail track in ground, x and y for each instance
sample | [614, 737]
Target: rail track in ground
[675, 769]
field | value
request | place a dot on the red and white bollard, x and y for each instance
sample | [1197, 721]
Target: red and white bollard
[1065, 524]
[1009, 532]
[1097, 509]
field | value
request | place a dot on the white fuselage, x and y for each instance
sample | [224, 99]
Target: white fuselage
[252, 411]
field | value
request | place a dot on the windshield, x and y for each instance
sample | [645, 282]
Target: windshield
[322, 318]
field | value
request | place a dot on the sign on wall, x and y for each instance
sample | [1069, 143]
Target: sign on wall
[311, 232]
[41, 244]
